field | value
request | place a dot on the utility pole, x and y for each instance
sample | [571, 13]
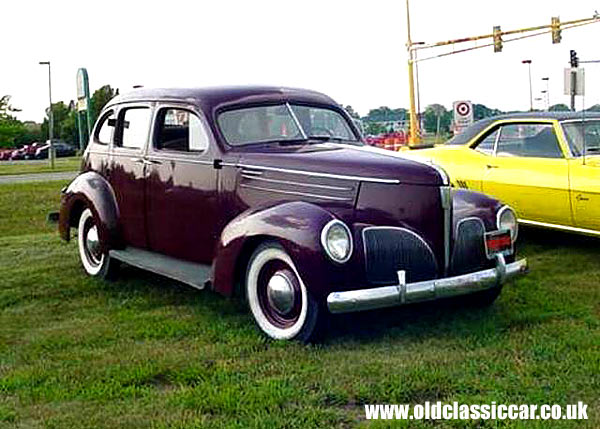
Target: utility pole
[50, 117]
[414, 137]
[528, 62]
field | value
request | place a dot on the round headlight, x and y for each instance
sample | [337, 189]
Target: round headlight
[337, 241]
[506, 219]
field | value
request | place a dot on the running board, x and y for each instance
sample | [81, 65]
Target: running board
[190, 273]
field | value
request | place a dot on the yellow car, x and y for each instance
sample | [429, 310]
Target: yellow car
[545, 165]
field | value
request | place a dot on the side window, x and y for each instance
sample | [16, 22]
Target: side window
[134, 126]
[528, 140]
[105, 128]
[180, 130]
[486, 144]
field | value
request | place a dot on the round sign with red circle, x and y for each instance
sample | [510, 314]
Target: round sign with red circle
[463, 109]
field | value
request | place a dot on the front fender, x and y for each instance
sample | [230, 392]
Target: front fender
[295, 225]
[467, 203]
[90, 190]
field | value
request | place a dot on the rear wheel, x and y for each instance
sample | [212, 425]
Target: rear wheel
[281, 305]
[96, 261]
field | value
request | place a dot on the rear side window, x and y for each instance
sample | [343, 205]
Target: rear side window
[134, 127]
[105, 128]
[180, 130]
[487, 143]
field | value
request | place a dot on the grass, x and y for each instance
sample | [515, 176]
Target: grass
[143, 352]
[26, 167]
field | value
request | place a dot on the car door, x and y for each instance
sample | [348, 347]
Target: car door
[529, 171]
[584, 171]
[126, 171]
[182, 198]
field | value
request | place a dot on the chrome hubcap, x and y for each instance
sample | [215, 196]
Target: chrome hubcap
[280, 293]
[93, 244]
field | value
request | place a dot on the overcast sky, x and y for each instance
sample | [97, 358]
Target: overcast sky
[353, 51]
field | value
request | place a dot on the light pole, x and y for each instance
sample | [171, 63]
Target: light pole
[547, 79]
[415, 132]
[50, 116]
[528, 62]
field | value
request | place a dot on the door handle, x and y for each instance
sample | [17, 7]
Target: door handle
[580, 197]
[152, 161]
[491, 166]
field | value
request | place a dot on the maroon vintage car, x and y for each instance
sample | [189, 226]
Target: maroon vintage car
[271, 194]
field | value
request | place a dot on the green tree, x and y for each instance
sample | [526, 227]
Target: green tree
[374, 128]
[481, 111]
[99, 99]
[559, 108]
[351, 112]
[65, 122]
[433, 113]
[10, 127]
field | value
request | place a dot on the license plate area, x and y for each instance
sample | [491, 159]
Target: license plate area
[498, 242]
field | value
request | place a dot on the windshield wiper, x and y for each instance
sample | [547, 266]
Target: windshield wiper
[325, 138]
[293, 141]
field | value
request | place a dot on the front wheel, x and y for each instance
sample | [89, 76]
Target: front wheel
[281, 305]
[96, 261]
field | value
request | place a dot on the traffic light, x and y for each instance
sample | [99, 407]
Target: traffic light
[497, 39]
[556, 31]
[574, 59]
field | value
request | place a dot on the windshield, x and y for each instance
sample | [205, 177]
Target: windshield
[283, 123]
[582, 134]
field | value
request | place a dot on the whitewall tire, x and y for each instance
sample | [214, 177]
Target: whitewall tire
[278, 299]
[96, 261]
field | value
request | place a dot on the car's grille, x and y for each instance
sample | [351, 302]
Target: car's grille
[389, 250]
[469, 248]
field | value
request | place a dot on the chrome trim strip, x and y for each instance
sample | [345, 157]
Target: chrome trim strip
[179, 159]
[288, 182]
[302, 194]
[446, 198]
[389, 296]
[324, 231]
[396, 228]
[560, 227]
[319, 174]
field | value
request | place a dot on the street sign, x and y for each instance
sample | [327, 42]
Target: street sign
[463, 115]
[574, 81]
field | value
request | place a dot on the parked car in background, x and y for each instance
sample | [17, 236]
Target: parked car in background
[270, 194]
[545, 165]
[61, 149]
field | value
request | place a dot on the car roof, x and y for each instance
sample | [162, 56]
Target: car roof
[211, 99]
[477, 127]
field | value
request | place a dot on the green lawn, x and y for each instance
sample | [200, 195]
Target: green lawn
[143, 352]
[24, 167]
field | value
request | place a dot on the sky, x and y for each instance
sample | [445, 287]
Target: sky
[351, 50]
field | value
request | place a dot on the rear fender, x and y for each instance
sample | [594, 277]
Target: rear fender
[93, 191]
[296, 226]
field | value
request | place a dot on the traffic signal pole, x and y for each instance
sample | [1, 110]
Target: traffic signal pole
[414, 136]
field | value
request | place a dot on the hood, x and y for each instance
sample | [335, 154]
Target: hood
[360, 162]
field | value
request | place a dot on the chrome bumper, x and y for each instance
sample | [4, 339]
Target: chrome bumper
[403, 293]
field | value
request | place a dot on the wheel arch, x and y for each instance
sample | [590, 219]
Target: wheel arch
[296, 226]
[91, 190]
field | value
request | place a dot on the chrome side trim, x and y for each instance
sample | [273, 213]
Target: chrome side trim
[560, 227]
[405, 293]
[246, 175]
[302, 194]
[319, 174]
[178, 159]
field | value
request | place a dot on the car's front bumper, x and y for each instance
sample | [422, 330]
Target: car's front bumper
[406, 293]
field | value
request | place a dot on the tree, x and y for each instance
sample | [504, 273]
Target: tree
[351, 112]
[99, 99]
[65, 122]
[559, 108]
[481, 111]
[594, 108]
[433, 114]
[10, 127]
[374, 128]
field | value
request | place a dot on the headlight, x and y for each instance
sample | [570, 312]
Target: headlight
[337, 241]
[506, 219]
